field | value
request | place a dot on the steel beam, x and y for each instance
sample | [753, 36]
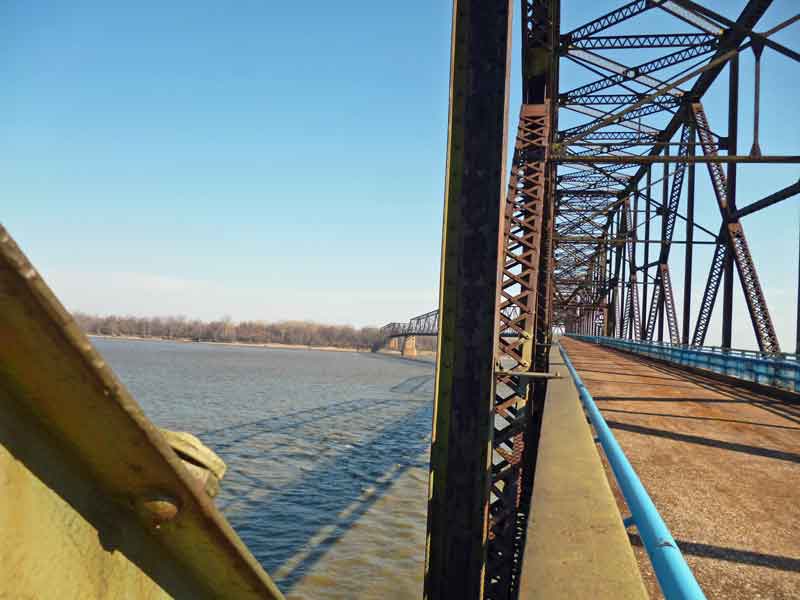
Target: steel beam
[689, 253]
[736, 243]
[96, 502]
[636, 159]
[518, 310]
[474, 192]
[787, 192]
[730, 192]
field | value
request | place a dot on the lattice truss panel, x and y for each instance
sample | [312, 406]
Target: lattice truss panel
[625, 95]
[735, 241]
[518, 281]
[426, 324]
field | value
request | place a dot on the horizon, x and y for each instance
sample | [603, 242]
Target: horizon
[261, 163]
[227, 318]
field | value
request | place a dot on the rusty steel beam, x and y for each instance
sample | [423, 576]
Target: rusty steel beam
[662, 290]
[635, 318]
[737, 243]
[517, 309]
[710, 291]
[787, 192]
[462, 428]
[635, 159]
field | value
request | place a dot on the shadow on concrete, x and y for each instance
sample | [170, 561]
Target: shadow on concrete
[758, 395]
[774, 407]
[747, 557]
[697, 418]
[668, 399]
[637, 375]
[704, 441]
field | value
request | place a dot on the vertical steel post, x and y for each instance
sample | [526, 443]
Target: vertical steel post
[758, 48]
[664, 208]
[474, 193]
[646, 266]
[623, 229]
[612, 293]
[687, 268]
[733, 124]
[634, 293]
[797, 324]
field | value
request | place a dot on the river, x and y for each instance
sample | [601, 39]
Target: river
[327, 455]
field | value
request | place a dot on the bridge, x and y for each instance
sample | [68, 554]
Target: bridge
[403, 336]
[580, 281]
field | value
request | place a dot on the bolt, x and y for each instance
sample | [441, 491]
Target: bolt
[158, 508]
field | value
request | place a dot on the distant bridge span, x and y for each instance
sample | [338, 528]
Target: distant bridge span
[426, 324]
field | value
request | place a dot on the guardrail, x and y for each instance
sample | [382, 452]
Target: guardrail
[674, 576]
[776, 370]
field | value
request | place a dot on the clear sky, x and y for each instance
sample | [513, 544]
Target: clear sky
[270, 160]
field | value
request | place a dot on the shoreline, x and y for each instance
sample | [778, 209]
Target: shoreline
[273, 345]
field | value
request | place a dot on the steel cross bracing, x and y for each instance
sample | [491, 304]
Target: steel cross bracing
[736, 242]
[602, 185]
[662, 289]
[603, 300]
[633, 315]
[516, 310]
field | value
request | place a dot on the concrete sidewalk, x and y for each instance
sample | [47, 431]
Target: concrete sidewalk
[576, 544]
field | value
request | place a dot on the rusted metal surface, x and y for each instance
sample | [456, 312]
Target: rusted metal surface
[516, 312]
[721, 462]
[737, 242]
[95, 502]
[474, 192]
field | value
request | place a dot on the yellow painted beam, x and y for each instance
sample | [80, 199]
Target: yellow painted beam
[94, 502]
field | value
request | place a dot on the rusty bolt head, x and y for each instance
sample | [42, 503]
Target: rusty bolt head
[158, 508]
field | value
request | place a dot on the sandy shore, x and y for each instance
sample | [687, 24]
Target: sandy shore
[243, 344]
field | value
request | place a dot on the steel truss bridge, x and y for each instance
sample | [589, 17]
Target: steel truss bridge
[626, 139]
[617, 153]
[425, 325]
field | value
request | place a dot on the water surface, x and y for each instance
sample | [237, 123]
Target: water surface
[326, 451]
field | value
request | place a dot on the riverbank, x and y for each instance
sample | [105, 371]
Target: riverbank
[239, 344]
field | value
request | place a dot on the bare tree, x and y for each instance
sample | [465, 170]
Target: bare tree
[304, 333]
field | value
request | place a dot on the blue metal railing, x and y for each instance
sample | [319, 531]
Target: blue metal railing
[777, 370]
[674, 576]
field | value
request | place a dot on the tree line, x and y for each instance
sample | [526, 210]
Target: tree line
[301, 333]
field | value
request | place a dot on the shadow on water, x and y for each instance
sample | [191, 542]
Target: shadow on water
[290, 529]
[241, 432]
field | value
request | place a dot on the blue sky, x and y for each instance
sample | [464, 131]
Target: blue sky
[268, 160]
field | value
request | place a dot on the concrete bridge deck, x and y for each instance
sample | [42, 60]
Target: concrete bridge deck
[721, 462]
